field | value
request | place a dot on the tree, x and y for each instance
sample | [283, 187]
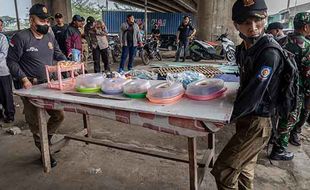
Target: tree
[95, 8]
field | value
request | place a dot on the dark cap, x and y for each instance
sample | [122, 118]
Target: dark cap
[58, 15]
[275, 25]
[90, 19]
[39, 10]
[243, 9]
[77, 18]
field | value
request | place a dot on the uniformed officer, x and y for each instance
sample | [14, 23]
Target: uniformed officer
[185, 33]
[300, 46]
[30, 50]
[260, 69]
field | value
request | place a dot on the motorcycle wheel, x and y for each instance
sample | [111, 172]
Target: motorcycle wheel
[114, 56]
[230, 56]
[144, 57]
[195, 57]
[158, 56]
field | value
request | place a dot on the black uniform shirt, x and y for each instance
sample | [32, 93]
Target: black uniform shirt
[259, 79]
[60, 35]
[185, 31]
[27, 56]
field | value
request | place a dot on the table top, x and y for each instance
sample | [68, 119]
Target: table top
[217, 110]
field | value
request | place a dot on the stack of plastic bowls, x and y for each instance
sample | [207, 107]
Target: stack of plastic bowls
[165, 93]
[205, 89]
[89, 83]
[136, 88]
[113, 85]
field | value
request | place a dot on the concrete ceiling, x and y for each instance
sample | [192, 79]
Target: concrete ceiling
[167, 6]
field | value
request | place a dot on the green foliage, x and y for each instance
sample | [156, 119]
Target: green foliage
[87, 8]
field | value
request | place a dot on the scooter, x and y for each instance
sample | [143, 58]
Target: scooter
[207, 50]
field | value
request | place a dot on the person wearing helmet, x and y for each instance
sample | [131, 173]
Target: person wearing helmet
[260, 69]
[289, 129]
[299, 44]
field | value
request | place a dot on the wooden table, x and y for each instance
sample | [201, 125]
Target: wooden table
[187, 118]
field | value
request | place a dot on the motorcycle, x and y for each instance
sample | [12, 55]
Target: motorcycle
[149, 51]
[210, 50]
[115, 48]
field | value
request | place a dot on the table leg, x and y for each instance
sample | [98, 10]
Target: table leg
[193, 175]
[211, 146]
[44, 140]
[86, 121]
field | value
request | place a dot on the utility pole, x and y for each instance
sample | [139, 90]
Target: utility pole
[17, 17]
[145, 18]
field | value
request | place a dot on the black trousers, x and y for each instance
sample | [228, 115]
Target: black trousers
[184, 44]
[6, 96]
[105, 59]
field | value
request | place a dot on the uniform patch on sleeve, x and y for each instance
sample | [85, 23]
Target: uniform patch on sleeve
[264, 73]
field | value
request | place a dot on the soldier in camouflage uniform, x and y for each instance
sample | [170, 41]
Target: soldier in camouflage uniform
[290, 128]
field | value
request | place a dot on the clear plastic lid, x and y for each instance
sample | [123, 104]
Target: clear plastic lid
[205, 87]
[137, 86]
[165, 90]
[93, 80]
[113, 85]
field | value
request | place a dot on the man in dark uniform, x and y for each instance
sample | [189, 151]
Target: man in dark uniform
[256, 102]
[30, 50]
[60, 32]
[185, 32]
[156, 32]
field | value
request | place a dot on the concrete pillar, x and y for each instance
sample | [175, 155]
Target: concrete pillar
[205, 19]
[214, 18]
[63, 7]
[58, 6]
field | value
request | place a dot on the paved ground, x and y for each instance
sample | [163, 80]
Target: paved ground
[88, 167]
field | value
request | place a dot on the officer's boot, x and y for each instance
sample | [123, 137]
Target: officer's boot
[294, 138]
[37, 142]
[280, 153]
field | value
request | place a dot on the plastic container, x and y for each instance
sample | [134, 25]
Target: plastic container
[205, 89]
[113, 85]
[76, 55]
[137, 86]
[93, 80]
[165, 93]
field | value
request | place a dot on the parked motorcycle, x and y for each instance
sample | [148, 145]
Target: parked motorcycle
[149, 51]
[115, 48]
[207, 50]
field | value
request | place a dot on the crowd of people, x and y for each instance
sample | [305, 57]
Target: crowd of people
[264, 102]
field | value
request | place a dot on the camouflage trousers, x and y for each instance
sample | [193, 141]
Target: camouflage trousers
[293, 123]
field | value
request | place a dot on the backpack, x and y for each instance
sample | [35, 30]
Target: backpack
[289, 87]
